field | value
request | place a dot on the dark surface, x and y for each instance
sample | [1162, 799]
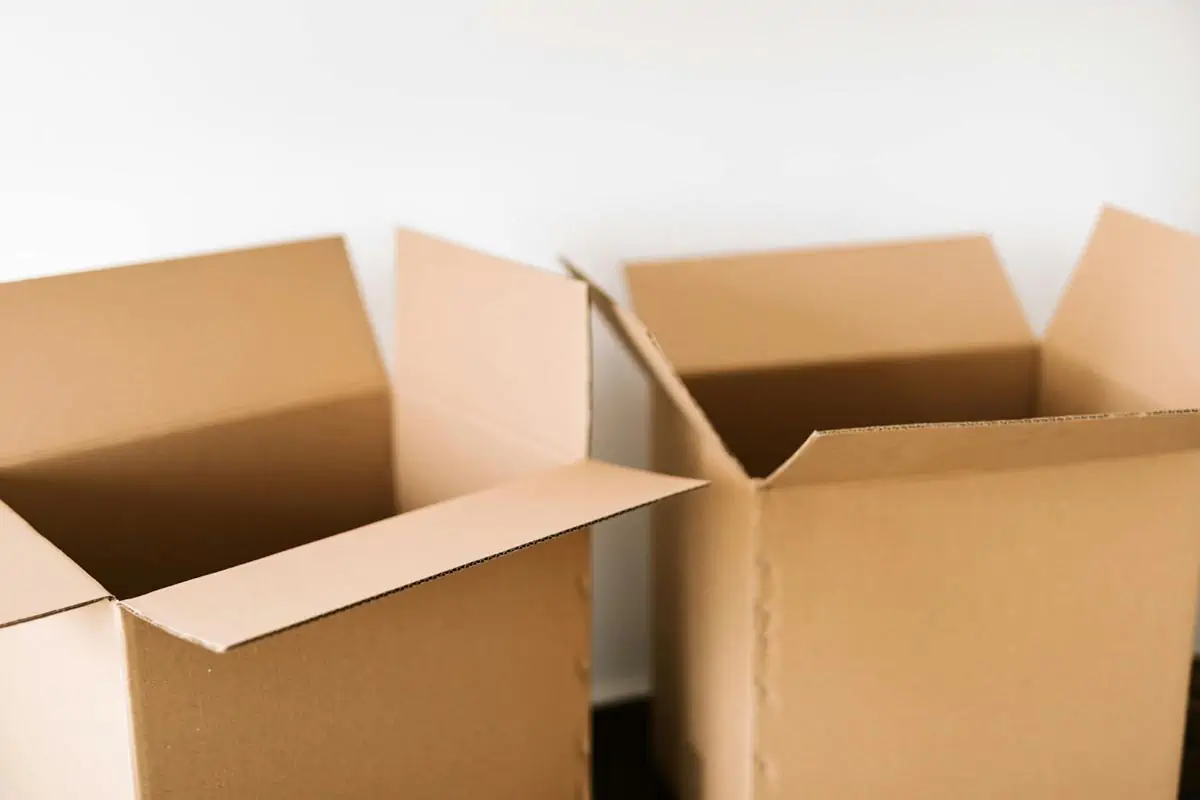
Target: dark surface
[622, 768]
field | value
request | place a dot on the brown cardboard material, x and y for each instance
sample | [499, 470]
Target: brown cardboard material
[208, 584]
[939, 558]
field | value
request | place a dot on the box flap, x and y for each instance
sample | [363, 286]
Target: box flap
[867, 453]
[764, 310]
[494, 340]
[225, 335]
[1126, 336]
[644, 350]
[36, 578]
[254, 600]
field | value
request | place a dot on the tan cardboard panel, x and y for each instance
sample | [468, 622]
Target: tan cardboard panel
[36, 578]
[758, 310]
[640, 345]
[868, 453]
[493, 340]
[1125, 335]
[103, 357]
[764, 415]
[1014, 634]
[151, 513]
[248, 602]
[64, 728]
[472, 686]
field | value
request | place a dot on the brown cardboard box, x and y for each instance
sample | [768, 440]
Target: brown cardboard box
[205, 587]
[908, 579]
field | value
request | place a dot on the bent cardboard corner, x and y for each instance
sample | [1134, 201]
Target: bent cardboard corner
[207, 580]
[954, 559]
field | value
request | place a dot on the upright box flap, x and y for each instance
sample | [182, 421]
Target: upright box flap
[1126, 336]
[494, 340]
[765, 310]
[251, 601]
[223, 335]
[36, 578]
[640, 345]
[868, 453]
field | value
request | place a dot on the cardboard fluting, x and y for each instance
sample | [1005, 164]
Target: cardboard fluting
[939, 558]
[209, 583]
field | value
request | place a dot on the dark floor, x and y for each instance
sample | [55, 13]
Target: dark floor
[622, 771]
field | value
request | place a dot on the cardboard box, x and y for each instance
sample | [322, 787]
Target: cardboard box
[205, 587]
[909, 579]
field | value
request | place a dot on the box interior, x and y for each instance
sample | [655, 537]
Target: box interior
[146, 514]
[765, 415]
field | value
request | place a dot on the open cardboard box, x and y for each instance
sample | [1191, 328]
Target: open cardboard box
[222, 575]
[940, 558]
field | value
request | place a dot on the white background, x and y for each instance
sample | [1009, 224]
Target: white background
[608, 128]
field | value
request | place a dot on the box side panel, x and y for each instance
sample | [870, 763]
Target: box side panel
[1024, 633]
[64, 711]
[472, 685]
[148, 514]
[702, 571]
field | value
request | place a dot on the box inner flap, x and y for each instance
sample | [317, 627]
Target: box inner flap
[799, 307]
[251, 601]
[888, 452]
[1126, 331]
[492, 340]
[36, 578]
[110, 356]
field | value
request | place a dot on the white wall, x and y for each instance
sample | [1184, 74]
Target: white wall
[611, 128]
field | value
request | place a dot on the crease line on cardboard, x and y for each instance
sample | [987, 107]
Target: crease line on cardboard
[63, 610]
[763, 652]
[317, 617]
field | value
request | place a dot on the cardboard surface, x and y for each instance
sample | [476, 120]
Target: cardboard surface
[1124, 336]
[253, 600]
[784, 308]
[156, 348]
[1012, 633]
[473, 685]
[919, 587]
[36, 578]
[525, 397]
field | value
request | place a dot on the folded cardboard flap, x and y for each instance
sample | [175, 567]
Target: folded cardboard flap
[488, 343]
[251, 601]
[36, 578]
[225, 335]
[890, 452]
[1127, 327]
[641, 346]
[818, 305]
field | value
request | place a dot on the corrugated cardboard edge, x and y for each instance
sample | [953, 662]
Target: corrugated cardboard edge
[936, 448]
[639, 343]
[36, 578]
[250, 602]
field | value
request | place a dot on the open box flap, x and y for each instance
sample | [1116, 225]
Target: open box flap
[1126, 336]
[225, 335]
[764, 310]
[36, 578]
[254, 600]
[640, 345]
[496, 340]
[868, 453]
